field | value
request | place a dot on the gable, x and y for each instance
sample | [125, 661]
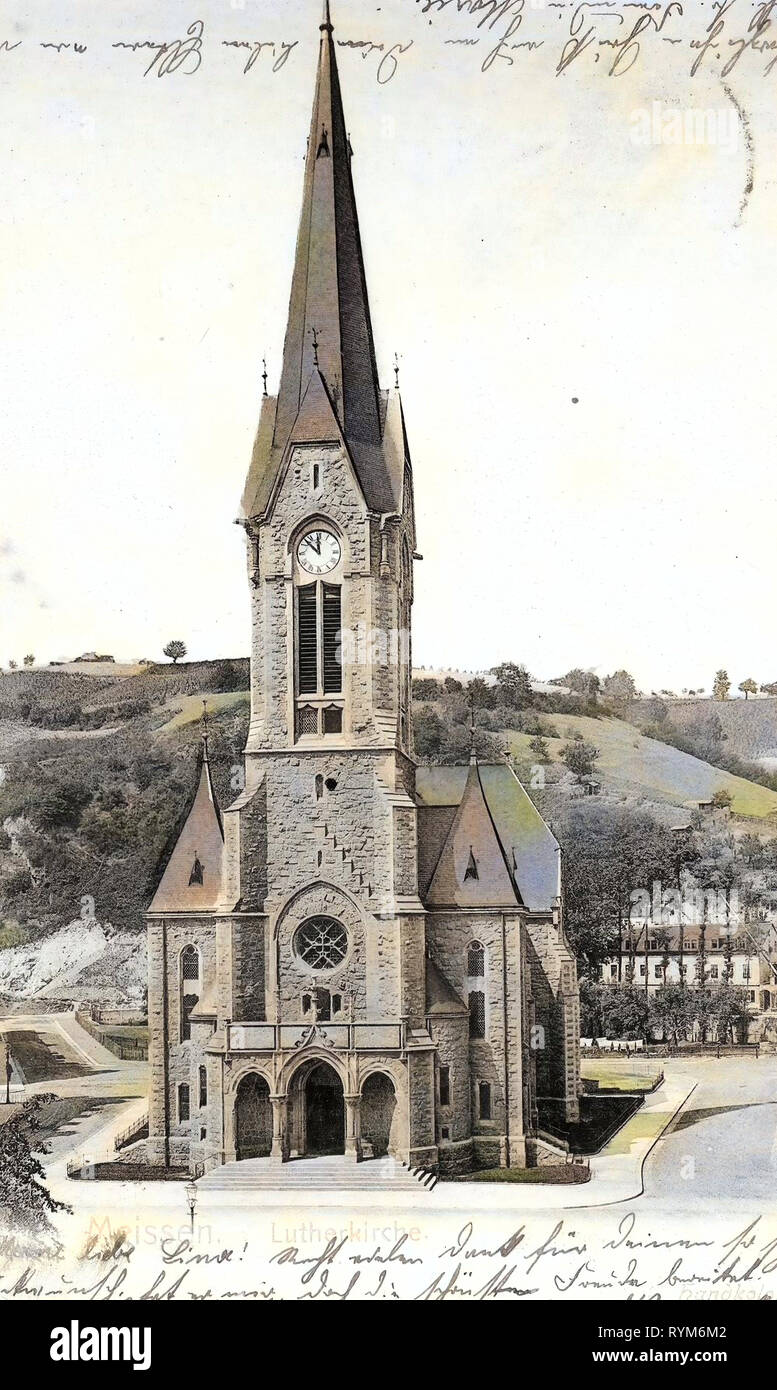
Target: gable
[472, 871]
[530, 850]
[191, 881]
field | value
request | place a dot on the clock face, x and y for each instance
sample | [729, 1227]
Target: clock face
[318, 552]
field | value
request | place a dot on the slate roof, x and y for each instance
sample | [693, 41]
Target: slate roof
[441, 997]
[500, 816]
[201, 840]
[329, 295]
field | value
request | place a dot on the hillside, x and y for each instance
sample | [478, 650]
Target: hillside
[97, 770]
[636, 767]
[749, 726]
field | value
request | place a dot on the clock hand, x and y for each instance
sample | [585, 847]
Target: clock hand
[317, 546]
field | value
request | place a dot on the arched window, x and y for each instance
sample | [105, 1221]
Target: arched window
[477, 1013]
[203, 1087]
[476, 961]
[183, 1103]
[190, 988]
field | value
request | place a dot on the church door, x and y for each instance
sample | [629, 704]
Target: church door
[378, 1107]
[253, 1118]
[324, 1112]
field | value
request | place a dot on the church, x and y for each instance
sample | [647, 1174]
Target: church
[361, 955]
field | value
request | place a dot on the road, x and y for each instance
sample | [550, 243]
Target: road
[108, 1095]
[721, 1148]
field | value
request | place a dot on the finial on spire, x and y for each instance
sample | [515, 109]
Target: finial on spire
[315, 345]
[264, 376]
[326, 22]
[396, 371]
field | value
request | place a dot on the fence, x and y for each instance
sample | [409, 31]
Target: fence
[709, 1049]
[128, 1050]
[137, 1130]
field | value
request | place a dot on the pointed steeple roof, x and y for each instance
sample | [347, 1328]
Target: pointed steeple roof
[329, 341]
[329, 292]
[316, 421]
[191, 881]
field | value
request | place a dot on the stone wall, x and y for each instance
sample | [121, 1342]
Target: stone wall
[497, 1059]
[172, 1061]
[451, 1034]
[371, 587]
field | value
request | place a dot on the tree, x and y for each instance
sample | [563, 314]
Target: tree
[452, 687]
[770, 689]
[751, 848]
[579, 757]
[513, 685]
[425, 688]
[583, 683]
[480, 694]
[722, 798]
[60, 804]
[12, 665]
[702, 1010]
[656, 711]
[29, 660]
[721, 685]
[539, 749]
[671, 1011]
[748, 687]
[175, 650]
[24, 1200]
[608, 853]
[429, 732]
[619, 687]
[595, 1003]
[731, 1013]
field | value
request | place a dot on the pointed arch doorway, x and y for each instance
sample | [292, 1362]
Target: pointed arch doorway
[253, 1118]
[324, 1111]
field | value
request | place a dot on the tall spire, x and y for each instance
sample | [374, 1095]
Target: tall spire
[328, 289]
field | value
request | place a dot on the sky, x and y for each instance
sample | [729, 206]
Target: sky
[584, 323]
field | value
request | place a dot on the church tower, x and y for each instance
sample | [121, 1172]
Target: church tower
[303, 998]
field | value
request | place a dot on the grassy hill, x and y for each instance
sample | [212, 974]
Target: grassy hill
[97, 768]
[749, 726]
[636, 767]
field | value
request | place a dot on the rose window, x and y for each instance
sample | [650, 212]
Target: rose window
[321, 942]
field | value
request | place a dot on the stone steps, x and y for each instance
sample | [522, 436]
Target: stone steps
[323, 1174]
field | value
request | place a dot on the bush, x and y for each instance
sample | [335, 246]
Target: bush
[60, 804]
[228, 677]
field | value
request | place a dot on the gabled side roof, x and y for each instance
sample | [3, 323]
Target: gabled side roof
[472, 871]
[529, 851]
[198, 853]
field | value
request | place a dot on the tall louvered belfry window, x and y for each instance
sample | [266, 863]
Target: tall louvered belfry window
[318, 658]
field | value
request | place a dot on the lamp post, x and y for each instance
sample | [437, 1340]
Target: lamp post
[191, 1198]
[8, 1070]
